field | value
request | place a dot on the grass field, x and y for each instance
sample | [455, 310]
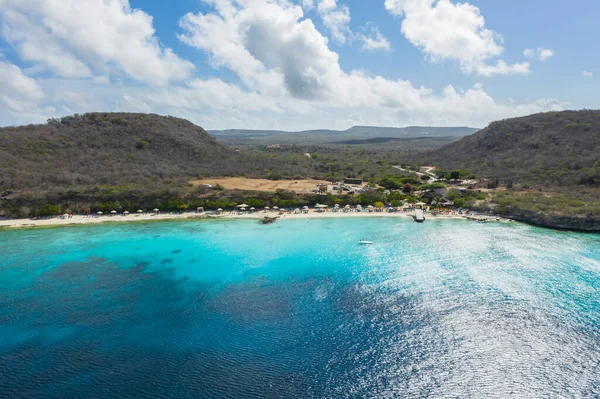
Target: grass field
[242, 183]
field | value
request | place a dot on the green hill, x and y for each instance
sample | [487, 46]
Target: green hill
[551, 149]
[546, 167]
[115, 148]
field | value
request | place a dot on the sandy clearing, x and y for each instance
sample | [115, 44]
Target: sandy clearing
[242, 183]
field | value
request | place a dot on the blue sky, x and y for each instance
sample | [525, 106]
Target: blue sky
[298, 64]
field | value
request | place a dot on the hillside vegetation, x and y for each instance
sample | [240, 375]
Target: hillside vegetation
[117, 148]
[553, 149]
[543, 168]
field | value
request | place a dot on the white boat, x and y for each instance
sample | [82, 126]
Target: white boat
[364, 242]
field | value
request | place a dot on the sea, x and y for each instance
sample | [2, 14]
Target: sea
[299, 309]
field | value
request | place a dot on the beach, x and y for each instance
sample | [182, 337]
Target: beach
[85, 220]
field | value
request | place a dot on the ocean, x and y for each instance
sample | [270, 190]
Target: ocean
[298, 309]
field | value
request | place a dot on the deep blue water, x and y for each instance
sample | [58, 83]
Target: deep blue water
[233, 309]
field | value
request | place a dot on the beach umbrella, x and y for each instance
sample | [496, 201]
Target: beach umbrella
[347, 206]
[100, 213]
[242, 206]
[321, 206]
[370, 207]
[276, 207]
[297, 210]
[200, 209]
[155, 210]
[140, 211]
[267, 208]
[336, 206]
[252, 209]
[113, 212]
[305, 208]
[220, 210]
[126, 213]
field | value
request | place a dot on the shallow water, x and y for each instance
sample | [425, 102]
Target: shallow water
[219, 309]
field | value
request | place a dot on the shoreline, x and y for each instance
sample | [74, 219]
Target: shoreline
[84, 220]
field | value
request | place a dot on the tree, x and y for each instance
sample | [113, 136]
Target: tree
[455, 175]
[407, 188]
[49, 210]
[378, 204]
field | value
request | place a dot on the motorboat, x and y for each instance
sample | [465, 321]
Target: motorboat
[365, 242]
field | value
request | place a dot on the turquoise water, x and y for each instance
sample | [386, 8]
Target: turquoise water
[235, 309]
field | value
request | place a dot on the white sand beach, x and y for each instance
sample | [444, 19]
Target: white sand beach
[84, 220]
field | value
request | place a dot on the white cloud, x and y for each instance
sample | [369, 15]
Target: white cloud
[447, 31]
[374, 41]
[336, 18]
[18, 93]
[14, 83]
[285, 77]
[588, 74]
[78, 38]
[542, 54]
[275, 51]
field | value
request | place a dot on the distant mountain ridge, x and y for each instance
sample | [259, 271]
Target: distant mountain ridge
[327, 135]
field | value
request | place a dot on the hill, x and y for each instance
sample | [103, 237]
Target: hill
[111, 149]
[240, 136]
[551, 149]
[543, 169]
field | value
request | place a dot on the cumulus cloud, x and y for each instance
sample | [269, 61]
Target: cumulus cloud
[541, 54]
[373, 40]
[18, 92]
[285, 76]
[80, 37]
[447, 31]
[273, 49]
[336, 18]
[588, 74]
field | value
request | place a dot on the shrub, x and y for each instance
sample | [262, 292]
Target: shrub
[141, 144]
[49, 210]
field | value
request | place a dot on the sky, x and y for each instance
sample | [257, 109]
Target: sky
[298, 64]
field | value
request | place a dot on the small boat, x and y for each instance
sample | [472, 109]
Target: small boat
[364, 242]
